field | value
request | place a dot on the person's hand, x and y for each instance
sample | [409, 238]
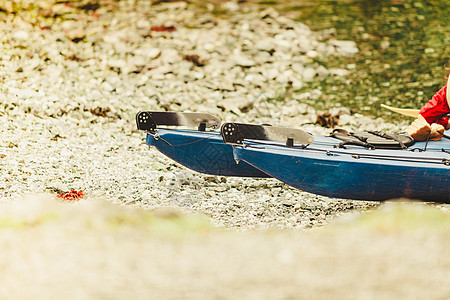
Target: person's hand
[419, 129]
[437, 132]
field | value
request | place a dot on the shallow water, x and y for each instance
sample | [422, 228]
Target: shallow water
[404, 46]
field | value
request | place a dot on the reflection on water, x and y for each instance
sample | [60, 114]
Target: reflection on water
[404, 45]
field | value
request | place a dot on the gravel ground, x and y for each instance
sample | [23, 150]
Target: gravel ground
[73, 80]
[74, 76]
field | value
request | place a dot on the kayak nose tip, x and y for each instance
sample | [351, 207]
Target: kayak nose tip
[150, 140]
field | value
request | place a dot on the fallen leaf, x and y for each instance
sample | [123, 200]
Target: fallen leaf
[195, 59]
[92, 6]
[71, 195]
[164, 28]
[100, 111]
[74, 57]
[327, 120]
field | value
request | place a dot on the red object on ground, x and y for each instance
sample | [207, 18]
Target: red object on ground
[164, 28]
[70, 196]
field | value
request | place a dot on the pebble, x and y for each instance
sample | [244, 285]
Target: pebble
[20, 35]
[243, 61]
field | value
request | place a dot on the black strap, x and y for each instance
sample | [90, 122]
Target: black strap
[357, 143]
[389, 137]
[351, 139]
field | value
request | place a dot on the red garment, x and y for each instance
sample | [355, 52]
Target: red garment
[437, 109]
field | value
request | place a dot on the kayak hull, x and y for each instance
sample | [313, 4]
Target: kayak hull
[201, 151]
[357, 174]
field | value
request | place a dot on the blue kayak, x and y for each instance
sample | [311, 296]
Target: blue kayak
[317, 165]
[355, 172]
[201, 151]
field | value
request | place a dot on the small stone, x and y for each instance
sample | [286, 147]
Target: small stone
[230, 6]
[312, 54]
[339, 72]
[288, 203]
[264, 45]
[309, 74]
[76, 35]
[143, 24]
[149, 53]
[220, 189]
[345, 48]
[322, 72]
[243, 61]
[20, 35]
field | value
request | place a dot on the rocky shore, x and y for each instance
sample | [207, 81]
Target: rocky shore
[73, 79]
